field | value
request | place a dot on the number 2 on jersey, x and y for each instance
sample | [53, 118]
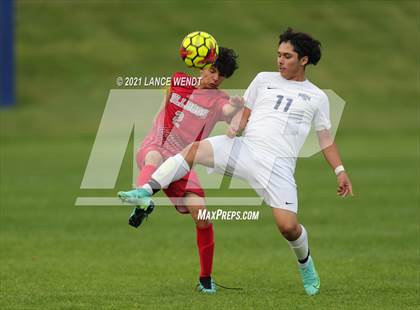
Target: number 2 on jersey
[278, 103]
[179, 116]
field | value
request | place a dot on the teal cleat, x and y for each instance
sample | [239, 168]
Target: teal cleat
[310, 278]
[139, 197]
[206, 285]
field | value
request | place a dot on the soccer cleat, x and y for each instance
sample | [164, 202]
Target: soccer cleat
[310, 278]
[139, 197]
[139, 215]
[206, 285]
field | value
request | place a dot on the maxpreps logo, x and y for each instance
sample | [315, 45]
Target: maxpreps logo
[224, 215]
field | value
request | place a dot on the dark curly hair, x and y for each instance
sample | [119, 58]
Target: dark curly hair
[303, 44]
[226, 62]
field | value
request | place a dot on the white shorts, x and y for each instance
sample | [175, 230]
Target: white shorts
[272, 178]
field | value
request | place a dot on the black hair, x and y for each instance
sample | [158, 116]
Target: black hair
[303, 44]
[226, 62]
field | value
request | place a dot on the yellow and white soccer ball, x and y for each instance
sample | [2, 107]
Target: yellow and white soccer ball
[199, 49]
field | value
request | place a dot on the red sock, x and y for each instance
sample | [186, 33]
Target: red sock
[205, 244]
[145, 174]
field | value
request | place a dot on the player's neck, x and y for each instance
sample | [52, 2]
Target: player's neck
[300, 77]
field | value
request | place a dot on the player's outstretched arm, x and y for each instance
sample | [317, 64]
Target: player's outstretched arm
[235, 104]
[238, 123]
[331, 154]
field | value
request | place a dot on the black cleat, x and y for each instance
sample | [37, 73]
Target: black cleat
[206, 285]
[139, 215]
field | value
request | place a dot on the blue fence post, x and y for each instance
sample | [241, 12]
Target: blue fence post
[7, 68]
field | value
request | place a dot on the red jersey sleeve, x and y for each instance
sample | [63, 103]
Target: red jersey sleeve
[220, 103]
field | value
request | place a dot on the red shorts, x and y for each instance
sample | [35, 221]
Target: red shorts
[177, 190]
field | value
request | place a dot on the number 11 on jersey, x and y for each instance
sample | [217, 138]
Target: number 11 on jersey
[279, 101]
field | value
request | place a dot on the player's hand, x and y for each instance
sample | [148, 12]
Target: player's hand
[232, 132]
[237, 101]
[344, 185]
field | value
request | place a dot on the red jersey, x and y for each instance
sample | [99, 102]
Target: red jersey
[189, 115]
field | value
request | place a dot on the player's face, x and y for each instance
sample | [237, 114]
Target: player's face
[289, 64]
[210, 78]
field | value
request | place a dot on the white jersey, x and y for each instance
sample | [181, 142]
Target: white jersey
[283, 112]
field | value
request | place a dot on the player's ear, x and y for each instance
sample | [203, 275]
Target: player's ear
[304, 61]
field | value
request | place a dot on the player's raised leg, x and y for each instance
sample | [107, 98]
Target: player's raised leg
[205, 242]
[176, 167]
[172, 169]
[147, 164]
[297, 238]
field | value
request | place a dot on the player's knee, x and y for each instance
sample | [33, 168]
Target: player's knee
[153, 158]
[290, 231]
[195, 214]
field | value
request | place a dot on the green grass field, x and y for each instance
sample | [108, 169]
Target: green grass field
[54, 255]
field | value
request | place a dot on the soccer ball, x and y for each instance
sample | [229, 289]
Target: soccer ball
[199, 50]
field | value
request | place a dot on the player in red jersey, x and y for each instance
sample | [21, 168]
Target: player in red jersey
[189, 114]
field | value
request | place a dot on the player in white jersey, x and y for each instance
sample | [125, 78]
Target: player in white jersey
[280, 108]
